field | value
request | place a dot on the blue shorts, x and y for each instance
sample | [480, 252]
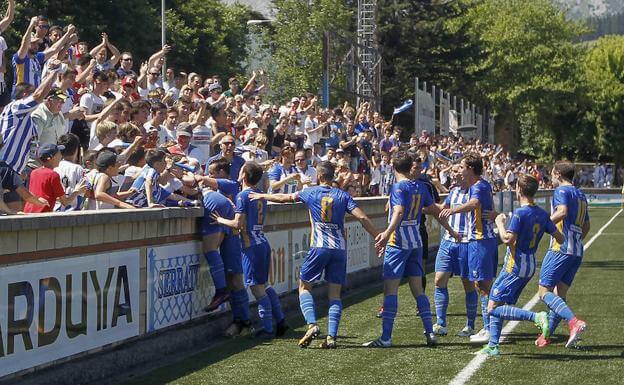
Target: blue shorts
[331, 261]
[558, 267]
[452, 258]
[256, 263]
[210, 226]
[482, 259]
[507, 288]
[399, 263]
[230, 251]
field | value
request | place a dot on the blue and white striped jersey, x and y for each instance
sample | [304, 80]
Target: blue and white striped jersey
[255, 212]
[327, 206]
[17, 130]
[457, 197]
[529, 224]
[480, 227]
[277, 173]
[572, 225]
[412, 195]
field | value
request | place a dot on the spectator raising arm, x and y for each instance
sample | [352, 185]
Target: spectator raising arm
[155, 58]
[46, 84]
[25, 45]
[114, 51]
[56, 48]
[8, 18]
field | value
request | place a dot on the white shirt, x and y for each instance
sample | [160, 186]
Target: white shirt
[71, 174]
[93, 104]
[309, 175]
[312, 137]
[3, 47]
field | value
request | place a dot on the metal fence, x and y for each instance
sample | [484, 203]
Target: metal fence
[439, 112]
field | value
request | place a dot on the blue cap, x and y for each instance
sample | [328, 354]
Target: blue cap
[48, 150]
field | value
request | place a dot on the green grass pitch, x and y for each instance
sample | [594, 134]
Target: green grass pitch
[597, 296]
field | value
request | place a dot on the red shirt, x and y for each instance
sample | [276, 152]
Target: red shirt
[44, 183]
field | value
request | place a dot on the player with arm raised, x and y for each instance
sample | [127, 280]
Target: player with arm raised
[328, 254]
[249, 219]
[482, 244]
[403, 246]
[563, 259]
[522, 236]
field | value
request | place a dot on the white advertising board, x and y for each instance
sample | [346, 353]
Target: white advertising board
[179, 285]
[54, 309]
[279, 274]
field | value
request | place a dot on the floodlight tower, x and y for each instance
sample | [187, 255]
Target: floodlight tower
[368, 80]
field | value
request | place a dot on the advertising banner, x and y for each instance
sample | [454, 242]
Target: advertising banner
[54, 309]
[358, 247]
[279, 274]
[179, 285]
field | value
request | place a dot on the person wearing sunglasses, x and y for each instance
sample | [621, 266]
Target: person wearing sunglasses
[125, 66]
[227, 145]
[307, 172]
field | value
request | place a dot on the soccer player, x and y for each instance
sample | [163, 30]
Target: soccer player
[249, 219]
[522, 236]
[218, 179]
[328, 254]
[403, 247]
[563, 259]
[222, 250]
[482, 244]
[452, 258]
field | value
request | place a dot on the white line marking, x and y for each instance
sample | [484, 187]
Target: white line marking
[462, 377]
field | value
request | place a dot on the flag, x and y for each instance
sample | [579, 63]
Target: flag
[406, 106]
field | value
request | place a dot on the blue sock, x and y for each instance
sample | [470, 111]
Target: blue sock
[558, 306]
[507, 312]
[390, 305]
[306, 303]
[278, 315]
[471, 308]
[265, 313]
[239, 302]
[441, 299]
[496, 326]
[217, 271]
[553, 320]
[424, 310]
[333, 317]
[484, 312]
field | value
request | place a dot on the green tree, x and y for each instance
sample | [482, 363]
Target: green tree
[209, 37]
[532, 78]
[298, 41]
[415, 42]
[604, 68]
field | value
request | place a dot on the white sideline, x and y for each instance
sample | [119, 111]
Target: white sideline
[462, 377]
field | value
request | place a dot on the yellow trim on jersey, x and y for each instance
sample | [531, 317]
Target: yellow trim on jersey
[246, 239]
[478, 223]
[557, 245]
[511, 261]
[392, 241]
[20, 70]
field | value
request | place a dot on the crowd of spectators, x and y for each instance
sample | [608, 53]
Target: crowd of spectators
[84, 127]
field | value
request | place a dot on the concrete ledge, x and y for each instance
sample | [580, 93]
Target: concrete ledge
[89, 218]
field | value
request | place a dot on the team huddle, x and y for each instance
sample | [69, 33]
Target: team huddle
[238, 253]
